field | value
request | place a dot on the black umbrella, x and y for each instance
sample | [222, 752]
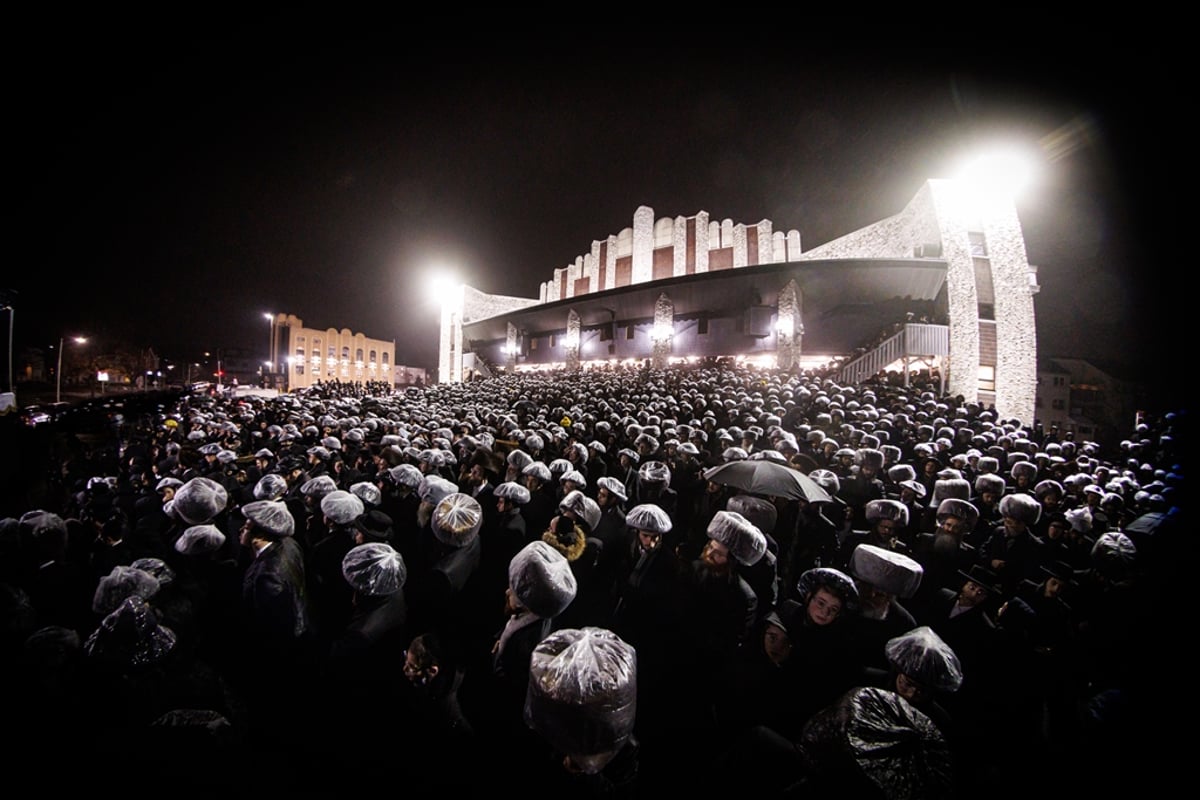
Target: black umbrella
[770, 478]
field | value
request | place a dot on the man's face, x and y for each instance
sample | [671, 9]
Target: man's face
[1013, 526]
[871, 597]
[476, 476]
[972, 594]
[716, 555]
[649, 540]
[605, 499]
[885, 529]
[909, 689]
[776, 643]
[953, 526]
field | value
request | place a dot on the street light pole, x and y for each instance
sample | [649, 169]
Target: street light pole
[58, 373]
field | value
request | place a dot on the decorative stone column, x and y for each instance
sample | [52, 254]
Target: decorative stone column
[511, 345]
[662, 335]
[571, 341]
[789, 327]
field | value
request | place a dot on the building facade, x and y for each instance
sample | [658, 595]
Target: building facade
[304, 356]
[676, 287]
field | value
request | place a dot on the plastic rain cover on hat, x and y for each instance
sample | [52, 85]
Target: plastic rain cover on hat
[341, 507]
[199, 500]
[746, 543]
[541, 579]
[271, 486]
[888, 571]
[273, 516]
[318, 486]
[130, 636]
[760, 512]
[121, 583]
[613, 487]
[374, 569]
[648, 517]
[887, 741]
[367, 492]
[515, 492]
[200, 539]
[923, 656]
[583, 507]
[832, 580]
[582, 695]
[456, 519]
[433, 489]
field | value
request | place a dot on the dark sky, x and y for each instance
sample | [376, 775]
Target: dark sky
[172, 191]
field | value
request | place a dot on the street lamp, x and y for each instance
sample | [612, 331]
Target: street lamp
[58, 373]
[271, 345]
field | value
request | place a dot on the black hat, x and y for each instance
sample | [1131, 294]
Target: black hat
[1059, 569]
[983, 577]
[375, 526]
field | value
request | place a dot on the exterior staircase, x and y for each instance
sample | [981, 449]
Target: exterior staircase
[912, 341]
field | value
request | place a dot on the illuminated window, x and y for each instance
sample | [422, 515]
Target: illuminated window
[978, 244]
[987, 379]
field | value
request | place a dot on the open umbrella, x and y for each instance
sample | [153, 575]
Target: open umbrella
[768, 478]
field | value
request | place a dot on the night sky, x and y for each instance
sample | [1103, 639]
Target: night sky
[171, 191]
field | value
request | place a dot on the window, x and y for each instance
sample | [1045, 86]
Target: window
[1058, 404]
[628, 332]
[702, 326]
[978, 244]
[552, 341]
[987, 378]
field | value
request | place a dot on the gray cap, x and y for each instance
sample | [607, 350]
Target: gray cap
[374, 569]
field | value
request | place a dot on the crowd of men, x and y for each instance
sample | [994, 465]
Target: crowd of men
[354, 583]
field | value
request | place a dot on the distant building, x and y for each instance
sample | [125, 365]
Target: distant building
[1077, 397]
[302, 357]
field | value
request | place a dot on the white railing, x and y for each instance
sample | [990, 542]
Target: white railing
[911, 341]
